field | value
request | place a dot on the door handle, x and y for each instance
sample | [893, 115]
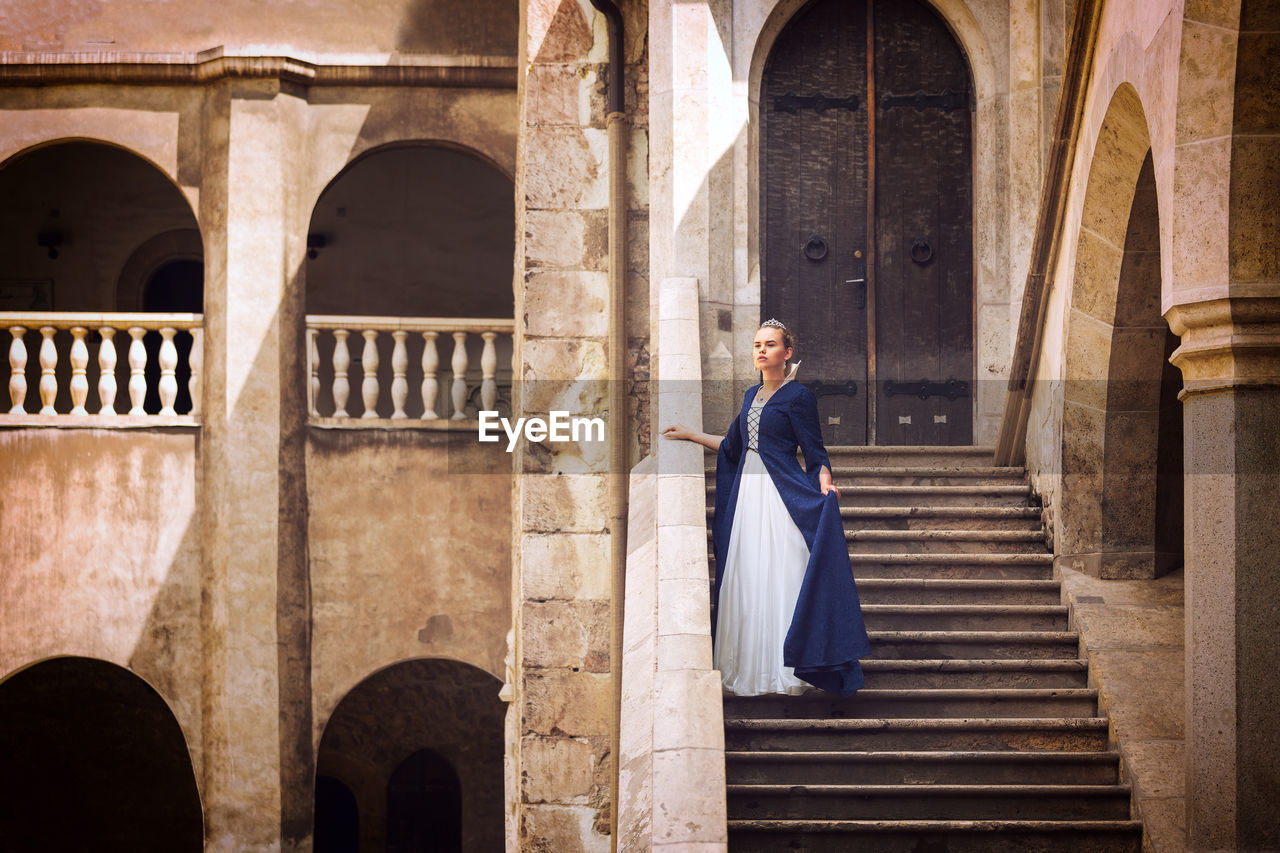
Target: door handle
[859, 270]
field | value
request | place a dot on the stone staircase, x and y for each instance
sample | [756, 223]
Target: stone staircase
[976, 730]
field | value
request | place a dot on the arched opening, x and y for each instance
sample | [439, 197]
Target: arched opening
[865, 215]
[93, 760]
[424, 805]
[1120, 513]
[86, 227]
[412, 230]
[420, 744]
[337, 817]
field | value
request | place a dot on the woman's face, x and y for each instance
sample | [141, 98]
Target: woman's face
[768, 351]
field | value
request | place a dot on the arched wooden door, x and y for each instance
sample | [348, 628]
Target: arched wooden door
[866, 217]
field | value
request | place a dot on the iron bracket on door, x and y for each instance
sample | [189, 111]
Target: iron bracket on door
[946, 100]
[952, 389]
[793, 103]
[832, 389]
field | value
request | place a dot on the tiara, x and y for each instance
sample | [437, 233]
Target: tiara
[776, 324]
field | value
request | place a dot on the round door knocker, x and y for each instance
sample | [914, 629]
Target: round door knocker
[816, 248]
[921, 251]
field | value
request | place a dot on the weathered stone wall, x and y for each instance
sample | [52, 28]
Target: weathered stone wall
[476, 27]
[100, 549]
[408, 539]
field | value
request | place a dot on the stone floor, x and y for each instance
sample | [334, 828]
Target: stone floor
[1133, 631]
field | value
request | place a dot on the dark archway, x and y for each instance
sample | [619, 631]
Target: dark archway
[72, 214]
[93, 760]
[866, 235]
[414, 230]
[424, 806]
[337, 817]
[76, 219]
[396, 738]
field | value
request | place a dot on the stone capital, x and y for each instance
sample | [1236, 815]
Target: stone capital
[1227, 343]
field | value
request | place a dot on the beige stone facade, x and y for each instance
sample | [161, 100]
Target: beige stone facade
[316, 598]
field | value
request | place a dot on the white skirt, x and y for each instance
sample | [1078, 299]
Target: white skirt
[764, 568]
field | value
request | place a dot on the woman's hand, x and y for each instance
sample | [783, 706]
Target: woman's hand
[825, 483]
[682, 432]
[678, 431]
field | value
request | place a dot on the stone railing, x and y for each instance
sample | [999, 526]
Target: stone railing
[388, 357]
[65, 369]
[671, 775]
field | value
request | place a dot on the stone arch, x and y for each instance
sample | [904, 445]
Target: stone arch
[956, 13]
[445, 706]
[1115, 516]
[94, 759]
[180, 244]
[101, 203]
[413, 229]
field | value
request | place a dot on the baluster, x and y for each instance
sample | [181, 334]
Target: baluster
[313, 371]
[459, 364]
[79, 370]
[341, 364]
[137, 371]
[369, 361]
[196, 363]
[107, 372]
[488, 369]
[430, 363]
[168, 367]
[48, 371]
[399, 383]
[17, 370]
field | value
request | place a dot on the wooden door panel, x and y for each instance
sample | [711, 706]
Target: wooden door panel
[814, 170]
[923, 228]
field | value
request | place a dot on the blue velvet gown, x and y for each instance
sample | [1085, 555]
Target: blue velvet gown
[827, 635]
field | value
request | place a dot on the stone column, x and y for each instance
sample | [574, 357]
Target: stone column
[1230, 361]
[563, 675]
[256, 787]
[695, 120]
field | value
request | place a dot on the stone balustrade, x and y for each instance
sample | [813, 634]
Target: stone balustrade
[65, 368]
[341, 349]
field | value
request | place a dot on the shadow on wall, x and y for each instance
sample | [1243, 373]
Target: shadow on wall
[418, 746]
[94, 760]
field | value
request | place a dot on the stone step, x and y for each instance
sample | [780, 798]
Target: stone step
[928, 836]
[955, 674]
[925, 767]
[966, 495]
[977, 734]
[936, 475]
[934, 703]
[1006, 568]
[965, 617]
[857, 476]
[949, 568]
[936, 517]
[962, 590]
[969, 495]
[945, 541]
[928, 802]
[927, 455]
[908, 645]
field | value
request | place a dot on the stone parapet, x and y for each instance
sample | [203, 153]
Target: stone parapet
[672, 787]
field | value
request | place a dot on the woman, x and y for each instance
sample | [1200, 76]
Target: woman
[787, 605]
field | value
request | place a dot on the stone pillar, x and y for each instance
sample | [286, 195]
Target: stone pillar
[563, 696]
[1230, 361]
[256, 786]
[696, 119]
